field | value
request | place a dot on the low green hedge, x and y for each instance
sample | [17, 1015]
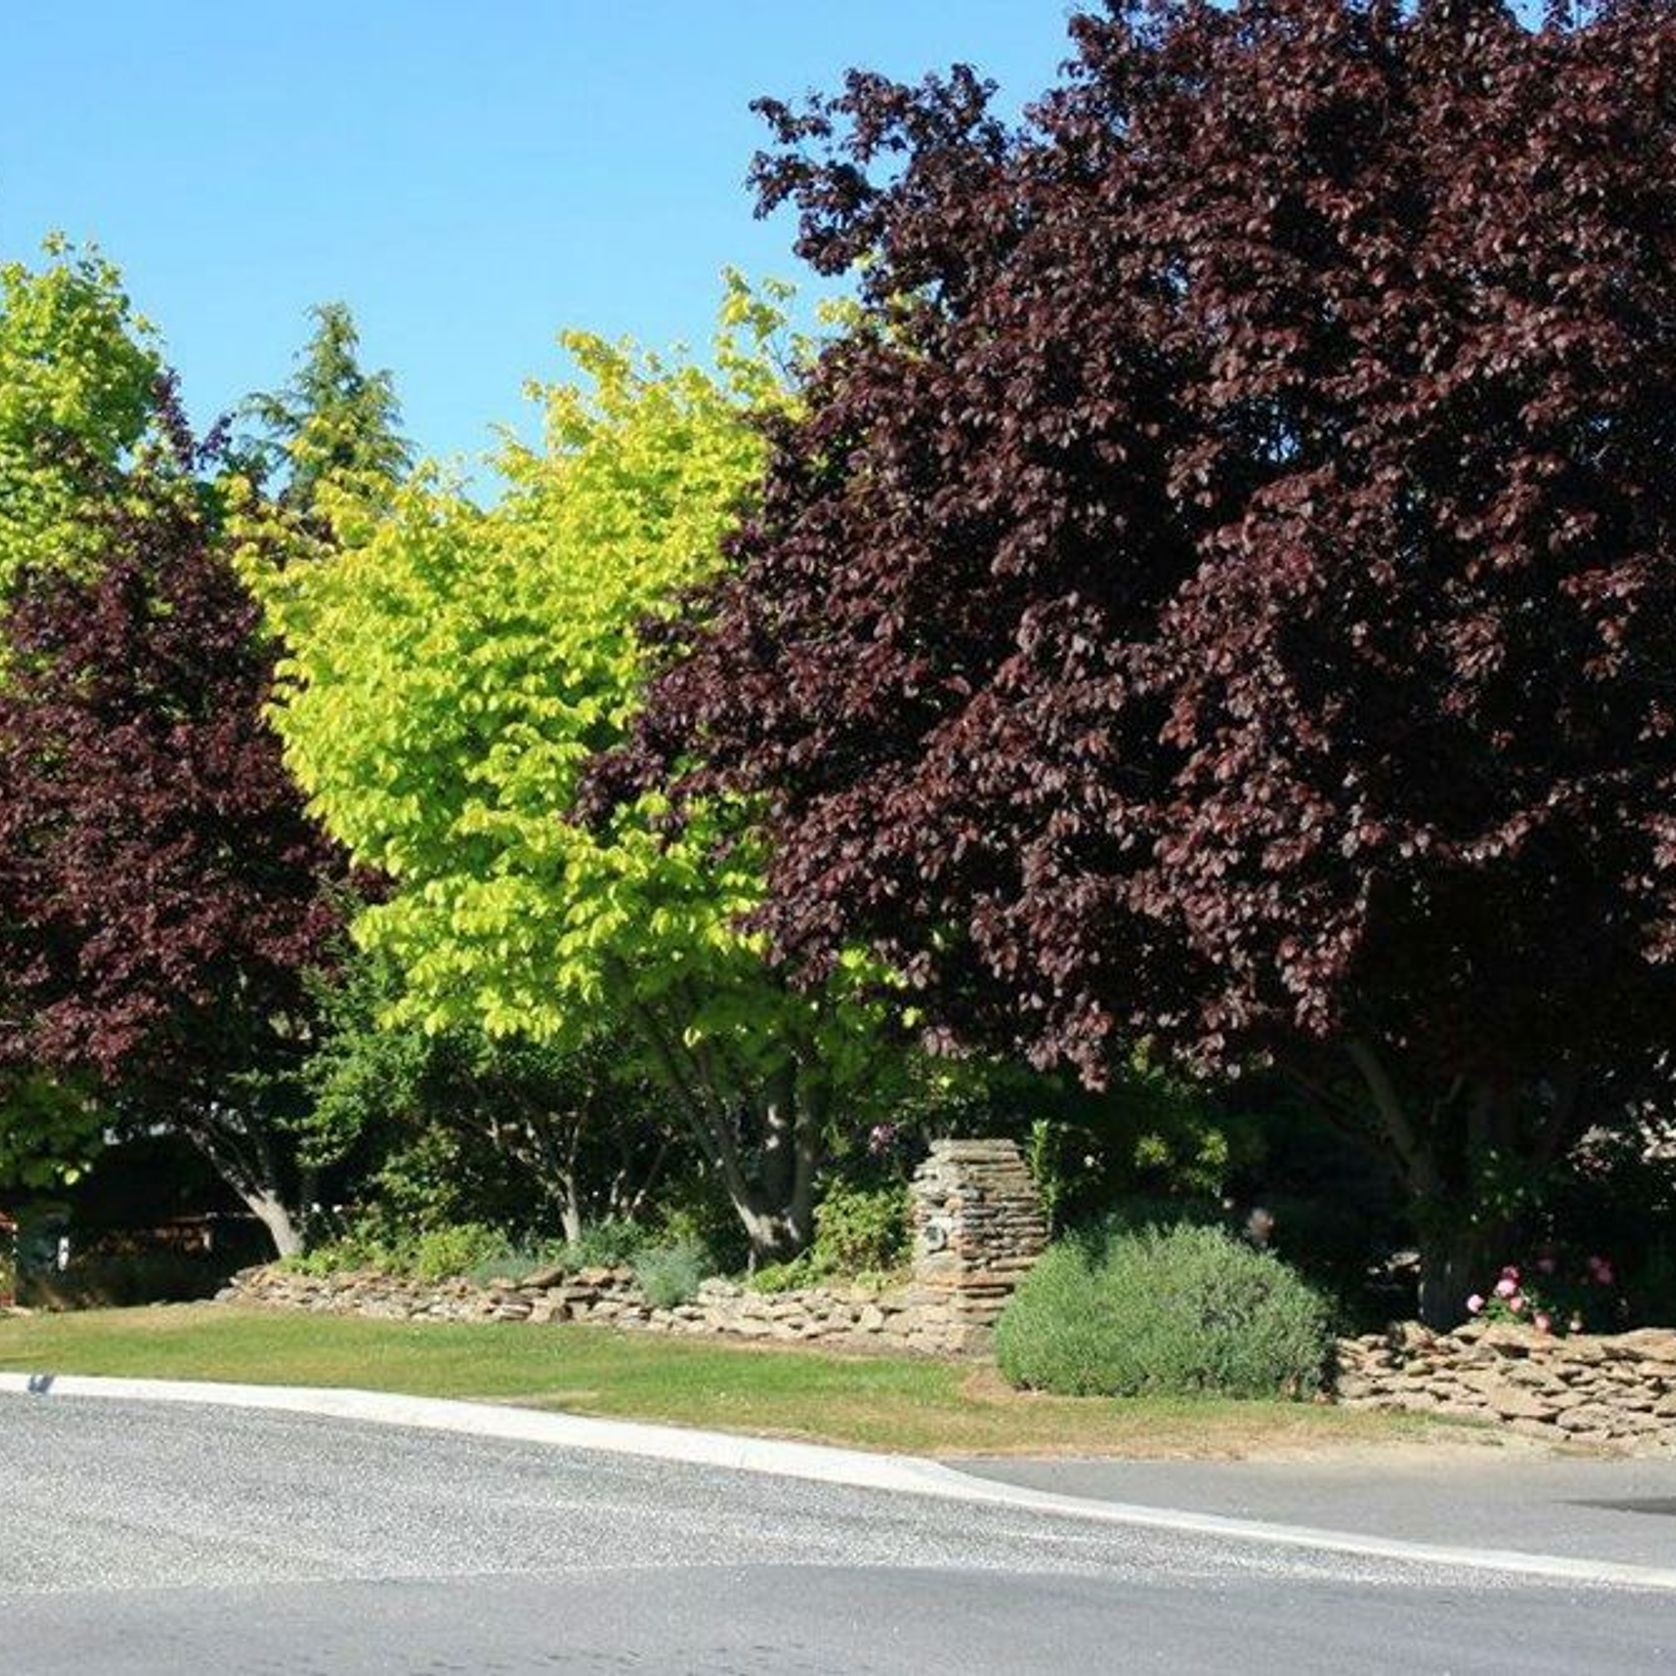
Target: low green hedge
[1164, 1311]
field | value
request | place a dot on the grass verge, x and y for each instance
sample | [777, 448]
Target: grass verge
[869, 1402]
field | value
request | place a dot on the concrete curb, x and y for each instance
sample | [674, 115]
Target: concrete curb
[901, 1474]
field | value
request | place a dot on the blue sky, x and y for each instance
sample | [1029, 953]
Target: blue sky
[469, 178]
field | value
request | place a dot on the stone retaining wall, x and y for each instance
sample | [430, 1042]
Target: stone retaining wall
[1618, 1389]
[909, 1318]
[977, 1227]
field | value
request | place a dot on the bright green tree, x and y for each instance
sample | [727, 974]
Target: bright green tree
[449, 677]
[80, 388]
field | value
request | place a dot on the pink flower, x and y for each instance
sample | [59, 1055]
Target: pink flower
[1600, 1271]
[1511, 1272]
[1517, 1303]
[1543, 1321]
[1507, 1286]
[1475, 1303]
[1546, 1265]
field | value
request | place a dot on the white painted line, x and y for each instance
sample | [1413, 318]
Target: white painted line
[899, 1473]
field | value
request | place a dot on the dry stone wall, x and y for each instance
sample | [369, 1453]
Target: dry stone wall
[840, 1317]
[1617, 1389]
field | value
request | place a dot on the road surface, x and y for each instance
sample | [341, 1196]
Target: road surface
[142, 1539]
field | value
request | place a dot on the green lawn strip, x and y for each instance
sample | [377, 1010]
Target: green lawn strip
[872, 1402]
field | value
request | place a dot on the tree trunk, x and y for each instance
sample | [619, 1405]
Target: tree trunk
[241, 1154]
[769, 1169]
[1436, 1168]
[272, 1213]
[1456, 1259]
[570, 1212]
[777, 1234]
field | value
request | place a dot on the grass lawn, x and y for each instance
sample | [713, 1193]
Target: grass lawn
[870, 1402]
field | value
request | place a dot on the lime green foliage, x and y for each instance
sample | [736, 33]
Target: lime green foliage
[447, 681]
[1173, 1311]
[79, 383]
[449, 677]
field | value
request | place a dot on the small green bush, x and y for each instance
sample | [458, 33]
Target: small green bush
[445, 1253]
[606, 1245]
[343, 1255]
[669, 1275]
[792, 1276]
[1164, 1311]
[861, 1230]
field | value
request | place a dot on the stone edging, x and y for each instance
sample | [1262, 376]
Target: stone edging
[1617, 1389]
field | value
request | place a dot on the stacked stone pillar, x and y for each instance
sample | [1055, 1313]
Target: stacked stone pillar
[978, 1227]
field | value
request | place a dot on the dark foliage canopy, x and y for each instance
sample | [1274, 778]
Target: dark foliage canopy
[1222, 591]
[161, 890]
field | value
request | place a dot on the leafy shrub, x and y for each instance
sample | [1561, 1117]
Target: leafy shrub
[669, 1275]
[1165, 1311]
[430, 1254]
[1554, 1295]
[338, 1256]
[792, 1276]
[606, 1245]
[444, 1253]
[861, 1231]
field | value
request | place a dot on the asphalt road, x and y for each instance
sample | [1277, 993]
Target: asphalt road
[139, 1539]
[1619, 1511]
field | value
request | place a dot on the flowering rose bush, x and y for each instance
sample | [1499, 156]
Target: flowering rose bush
[1539, 1294]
